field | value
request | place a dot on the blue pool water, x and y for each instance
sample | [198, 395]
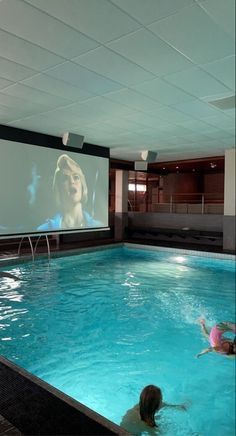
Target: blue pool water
[102, 325]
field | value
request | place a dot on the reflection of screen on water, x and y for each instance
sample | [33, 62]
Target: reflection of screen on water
[34, 200]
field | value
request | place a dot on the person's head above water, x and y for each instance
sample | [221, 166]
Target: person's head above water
[229, 347]
[149, 403]
[69, 182]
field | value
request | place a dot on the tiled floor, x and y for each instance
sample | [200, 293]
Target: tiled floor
[7, 429]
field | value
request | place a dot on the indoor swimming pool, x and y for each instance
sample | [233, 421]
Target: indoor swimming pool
[103, 324]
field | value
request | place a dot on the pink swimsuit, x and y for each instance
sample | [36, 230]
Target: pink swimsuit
[215, 336]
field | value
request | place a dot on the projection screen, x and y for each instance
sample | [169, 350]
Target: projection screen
[45, 190]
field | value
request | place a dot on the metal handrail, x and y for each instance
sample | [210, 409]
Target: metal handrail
[48, 246]
[33, 249]
[31, 246]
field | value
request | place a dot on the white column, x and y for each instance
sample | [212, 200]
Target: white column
[121, 191]
[121, 204]
[229, 196]
[229, 242]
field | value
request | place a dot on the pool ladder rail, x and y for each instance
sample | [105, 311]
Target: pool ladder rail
[34, 247]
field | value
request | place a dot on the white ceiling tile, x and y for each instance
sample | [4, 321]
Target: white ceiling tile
[196, 136]
[19, 106]
[151, 10]
[197, 126]
[231, 131]
[113, 66]
[124, 123]
[231, 113]
[150, 52]
[175, 130]
[196, 109]
[15, 72]
[219, 135]
[223, 70]
[223, 12]
[213, 146]
[133, 99]
[163, 92]
[195, 34]
[171, 115]
[221, 121]
[91, 111]
[101, 127]
[100, 20]
[146, 120]
[178, 140]
[34, 95]
[39, 28]
[197, 82]
[25, 53]
[8, 114]
[83, 78]
[72, 113]
[112, 93]
[106, 107]
[42, 123]
[53, 86]
[4, 83]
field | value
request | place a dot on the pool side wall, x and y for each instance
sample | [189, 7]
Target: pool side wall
[34, 407]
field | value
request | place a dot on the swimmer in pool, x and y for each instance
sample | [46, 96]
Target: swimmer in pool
[8, 275]
[218, 342]
[141, 418]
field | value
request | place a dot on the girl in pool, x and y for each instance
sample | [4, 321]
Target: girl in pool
[141, 418]
[218, 342]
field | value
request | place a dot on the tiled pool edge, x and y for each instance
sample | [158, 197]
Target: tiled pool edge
[55, 254]
[199, 253]
[35, 407]
[72, 252]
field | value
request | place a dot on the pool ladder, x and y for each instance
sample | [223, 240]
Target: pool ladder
[34, 248]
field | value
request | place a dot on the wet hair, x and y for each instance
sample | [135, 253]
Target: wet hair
[149, 403]
[232, 346]
[65, 163]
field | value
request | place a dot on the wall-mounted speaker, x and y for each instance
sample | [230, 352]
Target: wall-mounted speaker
[149, 156]
[139, 165]
[72, 140]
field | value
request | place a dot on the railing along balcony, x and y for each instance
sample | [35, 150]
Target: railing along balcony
[190, 203]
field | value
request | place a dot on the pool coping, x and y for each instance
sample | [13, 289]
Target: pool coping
[34, 407]
[212, 254]
[76, 251]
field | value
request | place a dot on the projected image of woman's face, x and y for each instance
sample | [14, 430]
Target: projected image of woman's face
[51, 191]
[71, 187]
[69, 183]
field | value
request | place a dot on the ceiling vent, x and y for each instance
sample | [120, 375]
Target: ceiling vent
[224, 103]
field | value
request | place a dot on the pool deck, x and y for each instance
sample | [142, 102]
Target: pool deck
[30, 406]
[11, 251]
[7, 429]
